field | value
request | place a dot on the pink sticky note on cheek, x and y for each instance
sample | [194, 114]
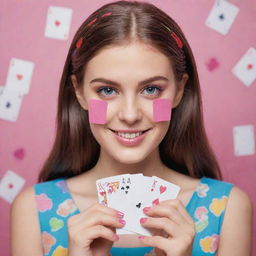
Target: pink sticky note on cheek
[97, 111]
[162, 109]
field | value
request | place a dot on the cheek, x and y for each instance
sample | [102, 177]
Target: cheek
[97, 110]
[162, 110]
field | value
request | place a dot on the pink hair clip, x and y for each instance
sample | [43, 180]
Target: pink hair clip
[175, 37]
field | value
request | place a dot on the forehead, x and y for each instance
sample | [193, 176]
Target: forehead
[134, 61]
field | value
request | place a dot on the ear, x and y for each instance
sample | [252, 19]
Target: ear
[180, 90]
[79, 92]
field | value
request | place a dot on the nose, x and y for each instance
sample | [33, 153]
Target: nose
[129, 111]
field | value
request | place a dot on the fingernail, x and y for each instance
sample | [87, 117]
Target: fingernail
[155, 202]
[146, 209]
[143, 220]
[122, 222]
[141, 237]
[116, 237]
[120, 214]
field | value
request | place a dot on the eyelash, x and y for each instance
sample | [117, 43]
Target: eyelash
[109, 87]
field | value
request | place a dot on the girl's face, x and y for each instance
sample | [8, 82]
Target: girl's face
[117, 75]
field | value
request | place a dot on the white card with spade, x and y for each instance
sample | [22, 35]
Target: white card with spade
[130, 193]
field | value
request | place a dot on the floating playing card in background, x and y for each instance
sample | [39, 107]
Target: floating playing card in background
[58, 22]
[10, 185]
[19, 75]
[244, 140]
[245, 69]
[130, 193]
[10, 103]
[1, 89]
[221, 16]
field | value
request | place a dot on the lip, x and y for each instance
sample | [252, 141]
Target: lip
[130, 142]
[129, 131]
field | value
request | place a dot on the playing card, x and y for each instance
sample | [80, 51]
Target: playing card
[1, 89]
[58, 22]
[10, 185]
[245, 69]
[244, 140]
[221, 16]
[10, 103]
[19, 75]
[131, 193]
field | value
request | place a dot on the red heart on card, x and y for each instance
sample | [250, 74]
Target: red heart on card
[19, 153]
[57, 23]
[162, 189]
[155, 202]
[19, 76]
[102, 193]
[249, 66]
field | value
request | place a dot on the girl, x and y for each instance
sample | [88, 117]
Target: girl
[124, 59]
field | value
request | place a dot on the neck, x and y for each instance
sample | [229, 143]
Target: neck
[150, 166]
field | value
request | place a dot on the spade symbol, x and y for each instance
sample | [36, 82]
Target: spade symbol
[8, 104]
[222, 17]
[138, 205]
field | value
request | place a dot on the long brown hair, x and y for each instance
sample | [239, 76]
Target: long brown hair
[185, 148]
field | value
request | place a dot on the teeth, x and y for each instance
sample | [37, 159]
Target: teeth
[129, 135]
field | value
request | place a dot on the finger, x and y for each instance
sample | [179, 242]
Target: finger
[169, 211]
[86, 236]
[165, 210]
[169, 226]
[92, 210]
[181, 208]
[98, 219]
[155, 241]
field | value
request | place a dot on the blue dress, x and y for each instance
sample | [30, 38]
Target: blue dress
[206, 206]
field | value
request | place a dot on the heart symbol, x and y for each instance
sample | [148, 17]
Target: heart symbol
[19, 153]
[162, 189]
[56, 224]
[156, 201]
[19, 76]
[57, 23]
[249, 66]
[138, 205]
[102, 193]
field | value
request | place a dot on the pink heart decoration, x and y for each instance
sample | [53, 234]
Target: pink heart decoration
[162, 189]
[19, 153]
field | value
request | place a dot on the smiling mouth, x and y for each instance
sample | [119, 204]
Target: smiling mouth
[129, 135]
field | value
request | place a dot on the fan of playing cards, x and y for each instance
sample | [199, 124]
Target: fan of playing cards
[130, 193]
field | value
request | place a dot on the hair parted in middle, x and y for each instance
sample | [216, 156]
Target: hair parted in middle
[185, 148]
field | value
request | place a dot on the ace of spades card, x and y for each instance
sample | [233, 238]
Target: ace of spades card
[221, 16]
[10, 104]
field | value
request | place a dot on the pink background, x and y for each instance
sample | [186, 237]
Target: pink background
[226, 101]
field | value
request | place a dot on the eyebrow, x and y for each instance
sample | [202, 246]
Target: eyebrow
[149, 80]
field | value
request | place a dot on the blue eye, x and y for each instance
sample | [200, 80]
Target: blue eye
[152, 89]
[107, 91]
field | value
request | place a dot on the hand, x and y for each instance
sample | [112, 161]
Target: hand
[92, 232]
[175, 228]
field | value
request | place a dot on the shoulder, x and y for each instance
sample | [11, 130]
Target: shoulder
[237, 224]
[24, 221]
